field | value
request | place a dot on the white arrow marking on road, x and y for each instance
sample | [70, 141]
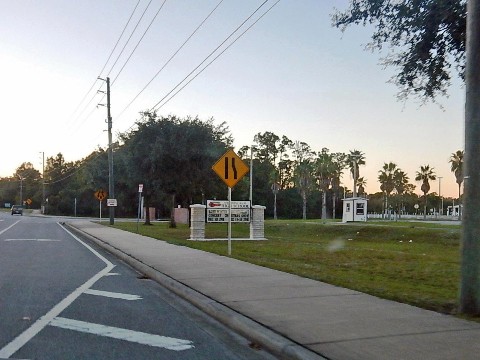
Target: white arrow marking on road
[40, 240]
[12, 347]
[112, 274]
[123, 334]
[113, 295]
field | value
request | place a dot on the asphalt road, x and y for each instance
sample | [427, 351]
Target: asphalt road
[63, 298]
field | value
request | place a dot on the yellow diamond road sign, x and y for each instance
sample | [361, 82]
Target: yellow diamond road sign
[100, 194]
[230, 168]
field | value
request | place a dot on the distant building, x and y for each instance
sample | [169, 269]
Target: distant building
[453, 210]
[354, 209]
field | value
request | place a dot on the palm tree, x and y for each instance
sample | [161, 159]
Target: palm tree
[400, 181]
[361, 183]
[424, 175]
[386, 179]
[303, 176]
[304, 181]
[456, 162]
[325, 172]
[339, 163]
[354, 160]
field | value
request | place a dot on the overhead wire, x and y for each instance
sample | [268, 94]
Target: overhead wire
[207, 57]
[159, 104]
[156, 107]
[129, 38]
[106, 62]
[169, 60]
[139, 41]
[116, 60]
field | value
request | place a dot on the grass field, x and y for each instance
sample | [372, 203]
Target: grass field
[411, 262]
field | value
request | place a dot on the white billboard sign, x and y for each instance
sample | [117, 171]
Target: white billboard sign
[217, 211]
[221, 215]
[223, 204]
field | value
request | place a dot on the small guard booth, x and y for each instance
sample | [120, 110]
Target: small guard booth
[354, 209]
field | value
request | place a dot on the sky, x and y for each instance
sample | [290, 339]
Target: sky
[292, 74]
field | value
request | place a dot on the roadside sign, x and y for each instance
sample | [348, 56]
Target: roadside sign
[100, 194]
[140, 188]
[29, 201]
[223, 204]
[217, 211]
[111, 202]
[230, 168]
[221, 215]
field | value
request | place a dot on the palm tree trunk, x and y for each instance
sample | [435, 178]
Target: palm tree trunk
[387, 214]
[459, 203]
[425, 207]
[334, 201]
[304, 197]
[324, 205]
[383, 206]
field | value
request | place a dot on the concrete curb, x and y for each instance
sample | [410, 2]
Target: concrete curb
[273, 342]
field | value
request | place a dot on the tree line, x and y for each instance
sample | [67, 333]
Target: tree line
[172, 157]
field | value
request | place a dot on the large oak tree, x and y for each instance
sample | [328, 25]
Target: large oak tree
[425, 40]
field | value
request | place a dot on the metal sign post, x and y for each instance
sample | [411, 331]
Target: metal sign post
[229, 221]
[140, 190]
[231, 169]
[100, 195]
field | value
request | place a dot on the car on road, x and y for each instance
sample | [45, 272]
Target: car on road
[17, 209]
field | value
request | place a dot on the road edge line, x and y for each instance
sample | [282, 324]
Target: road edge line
[272, 341]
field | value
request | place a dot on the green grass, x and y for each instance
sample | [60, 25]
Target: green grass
[410, 262]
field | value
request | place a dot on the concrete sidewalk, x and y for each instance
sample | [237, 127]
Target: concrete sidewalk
[294, 317]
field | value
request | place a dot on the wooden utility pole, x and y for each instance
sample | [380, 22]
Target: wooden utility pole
[111, 192]
[470, 269]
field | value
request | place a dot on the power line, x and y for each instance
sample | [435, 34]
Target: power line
[84, 163]
[170, 59]
[216, 57]
[209, 55]
[106, 62]
[139, 41]
[128, 40]
[116, 60]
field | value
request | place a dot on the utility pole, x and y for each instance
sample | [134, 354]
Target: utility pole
[111, 192]
[21, 188]
[43, 182]
[470, 268]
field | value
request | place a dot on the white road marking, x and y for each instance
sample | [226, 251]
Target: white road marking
[39, 240]
[112, 274]
[12, 347]
[113, 295]
[123, 334]
[15, 223]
